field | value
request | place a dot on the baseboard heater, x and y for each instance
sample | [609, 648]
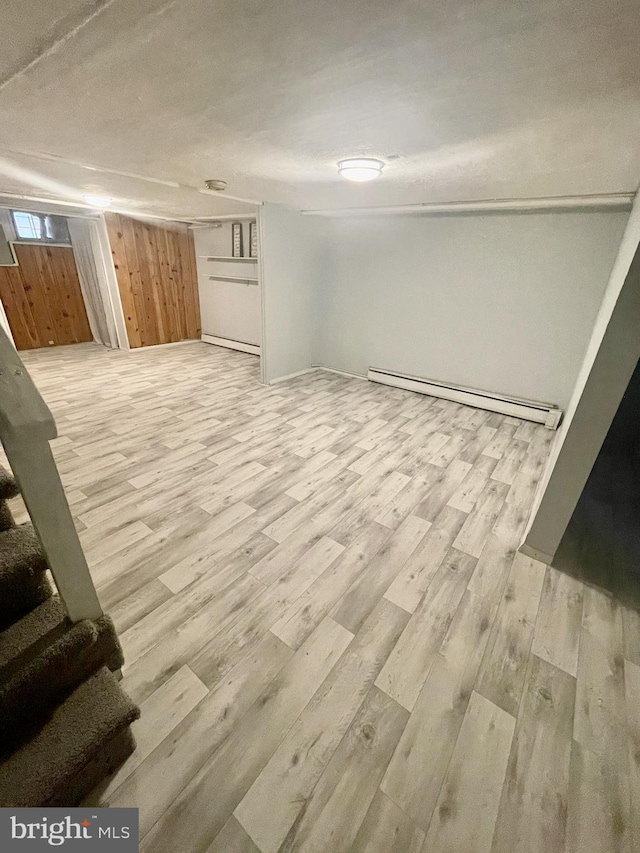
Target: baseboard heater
[528, 410]
[254, 349]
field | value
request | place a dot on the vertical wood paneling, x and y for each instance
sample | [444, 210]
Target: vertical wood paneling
[119, 253]
[186, 271]
[21, 319]
[42, 298]
[36, 299]
[156, 270]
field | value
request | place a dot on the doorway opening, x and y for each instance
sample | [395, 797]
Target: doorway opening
[601, 545]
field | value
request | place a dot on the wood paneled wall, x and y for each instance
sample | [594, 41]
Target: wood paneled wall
[156, 270]
[42, 298]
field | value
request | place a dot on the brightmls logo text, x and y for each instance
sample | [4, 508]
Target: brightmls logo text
[26, 830]
[55, 833]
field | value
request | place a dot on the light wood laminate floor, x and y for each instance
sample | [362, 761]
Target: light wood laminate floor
[333, 640]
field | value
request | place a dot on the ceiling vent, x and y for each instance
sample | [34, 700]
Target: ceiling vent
[215, 185]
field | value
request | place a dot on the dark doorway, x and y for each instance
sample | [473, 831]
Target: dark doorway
[602, 542]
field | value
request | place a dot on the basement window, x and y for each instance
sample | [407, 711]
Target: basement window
[40, 227]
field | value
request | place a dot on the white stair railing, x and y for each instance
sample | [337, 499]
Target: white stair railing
[26, 428]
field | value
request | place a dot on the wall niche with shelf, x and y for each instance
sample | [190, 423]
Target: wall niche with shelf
[229, 286]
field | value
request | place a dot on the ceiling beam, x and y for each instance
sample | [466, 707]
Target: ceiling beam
[574, 202]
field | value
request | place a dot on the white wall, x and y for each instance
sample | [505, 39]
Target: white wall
[503, 302]
[292, 274]
[610, 359]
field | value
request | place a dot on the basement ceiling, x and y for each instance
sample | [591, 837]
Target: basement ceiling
[468, 99]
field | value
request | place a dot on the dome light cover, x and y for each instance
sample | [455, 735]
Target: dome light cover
[360, 169]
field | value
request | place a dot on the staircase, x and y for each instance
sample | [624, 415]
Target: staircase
[64, 721]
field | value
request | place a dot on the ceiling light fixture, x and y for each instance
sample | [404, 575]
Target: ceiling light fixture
[360, 169]
[97, 200]
[216, 185]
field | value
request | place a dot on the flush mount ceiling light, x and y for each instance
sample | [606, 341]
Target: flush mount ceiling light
[360, 169]
[97, 200]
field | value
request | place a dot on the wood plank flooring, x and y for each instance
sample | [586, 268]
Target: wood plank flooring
[334, 642]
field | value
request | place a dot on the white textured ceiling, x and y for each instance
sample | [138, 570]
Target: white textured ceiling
[466, 99]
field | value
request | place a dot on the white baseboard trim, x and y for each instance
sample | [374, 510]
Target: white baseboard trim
[241, 346]
[158, 346]
[315, 367]
[339, 372]
[528, 410]
[279, 379]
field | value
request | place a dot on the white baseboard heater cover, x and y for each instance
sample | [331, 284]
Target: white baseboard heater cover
[528, 410]
[254, 349]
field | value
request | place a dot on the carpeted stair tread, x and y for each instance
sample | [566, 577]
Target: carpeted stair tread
[23, 580]
[6, 516]
[85, 736]
[8, 489]
[43, 656]
[8, 486]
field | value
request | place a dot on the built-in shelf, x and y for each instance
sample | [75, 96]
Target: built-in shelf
[204, 221]
[233, 278]
[225, 258]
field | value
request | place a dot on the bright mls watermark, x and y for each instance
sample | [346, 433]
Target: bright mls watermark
[26, 830]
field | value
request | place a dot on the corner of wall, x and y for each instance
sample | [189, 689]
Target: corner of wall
[290, 264]
[611, 356]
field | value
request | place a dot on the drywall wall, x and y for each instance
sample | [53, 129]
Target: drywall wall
[609, 362]
[292, 273]
[503, 302]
